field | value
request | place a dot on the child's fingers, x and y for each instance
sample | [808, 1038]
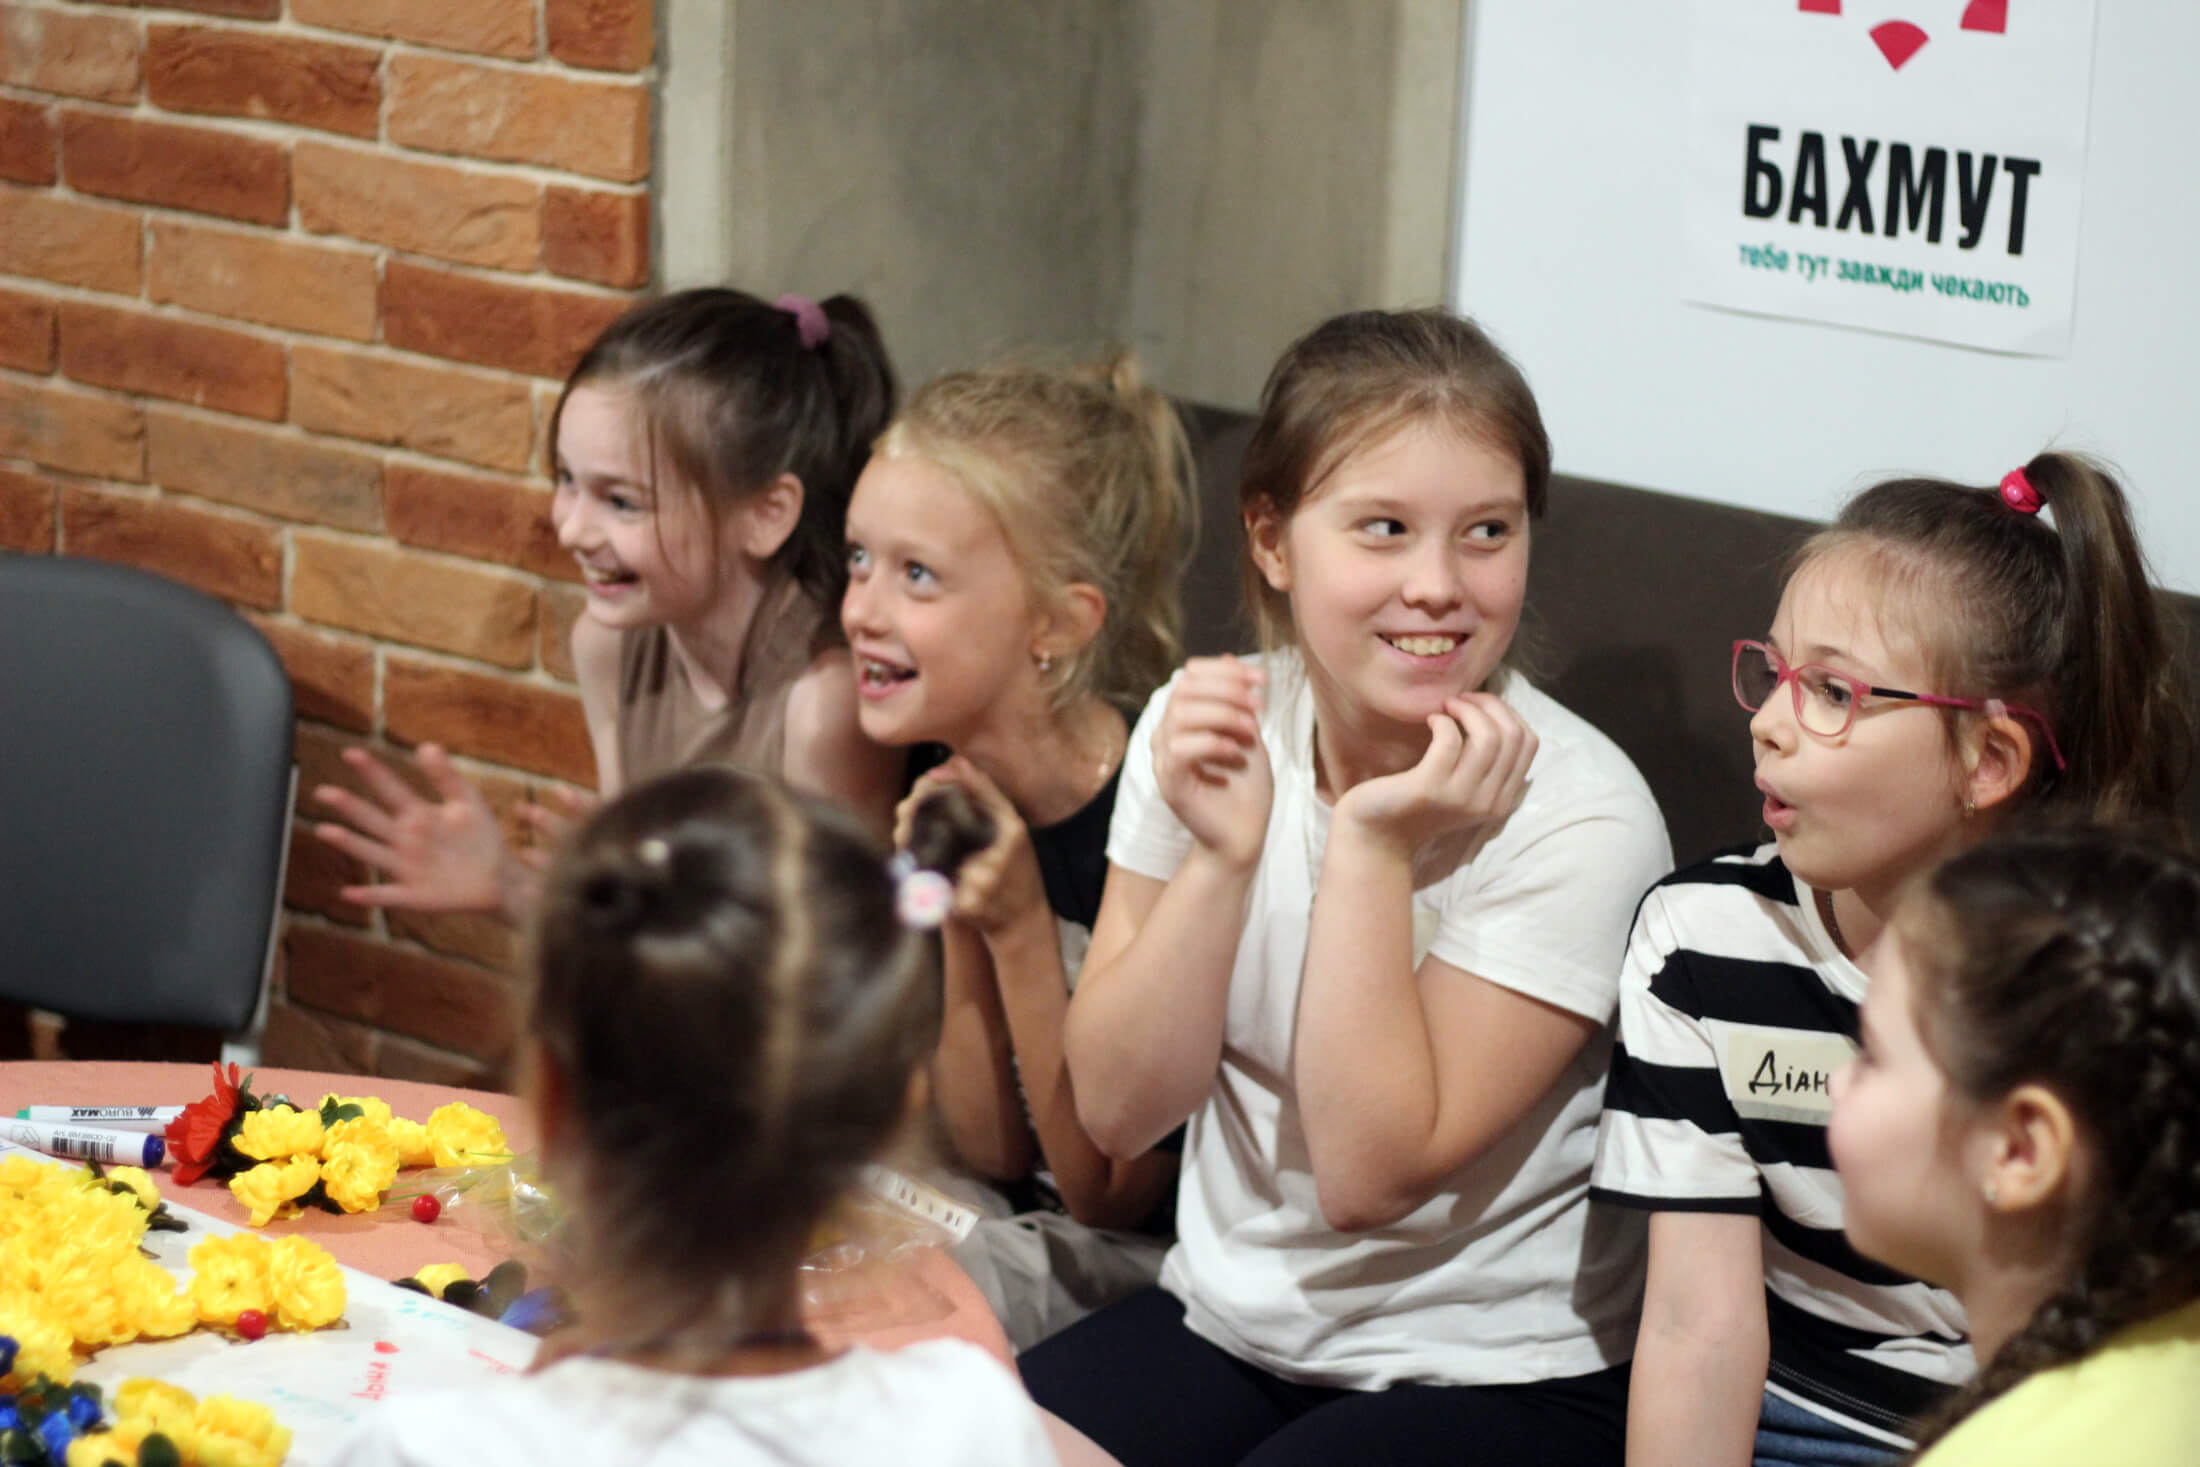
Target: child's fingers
[392, 791]
[355, 845]
[367, 817]
[1213, 715]
[444, 776]
[1207, 752]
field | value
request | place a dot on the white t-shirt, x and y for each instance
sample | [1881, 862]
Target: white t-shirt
[942, 1402]
[1507, 1274]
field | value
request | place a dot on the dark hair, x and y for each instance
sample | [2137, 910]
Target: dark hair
[730, 399]
[1089, 474]
[737, 1010]
[2060, 617]
[2073, 962]
[1354, 380]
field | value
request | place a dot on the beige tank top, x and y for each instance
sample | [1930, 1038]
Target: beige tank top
[664, 726]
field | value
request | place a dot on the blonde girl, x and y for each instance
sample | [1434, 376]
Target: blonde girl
[1012, 554]
[703, 451]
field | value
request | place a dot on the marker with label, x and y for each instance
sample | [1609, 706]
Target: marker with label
[82, 1143]
[104, 1117]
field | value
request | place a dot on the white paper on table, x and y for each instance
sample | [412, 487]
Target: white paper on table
[323, 1383]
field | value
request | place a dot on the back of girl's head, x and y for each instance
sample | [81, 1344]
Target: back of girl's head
[733, 391]
[1358, 378]
[2070, 959]
[735, 1010]
[2059, 616]
[1088, 473]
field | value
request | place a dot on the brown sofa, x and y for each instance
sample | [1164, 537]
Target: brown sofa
[1634, 598]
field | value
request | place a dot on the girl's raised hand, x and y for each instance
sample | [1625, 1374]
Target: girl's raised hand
[1473, 776]
[1001, 883]
[1209, 760]
[444, 855]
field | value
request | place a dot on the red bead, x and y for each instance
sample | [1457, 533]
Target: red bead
[252, 1324]
[426, 1208]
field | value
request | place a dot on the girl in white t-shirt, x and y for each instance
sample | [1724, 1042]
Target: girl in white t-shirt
[727, 1027]
[1364, 913]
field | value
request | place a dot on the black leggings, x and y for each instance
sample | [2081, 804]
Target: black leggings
[1139, 1383]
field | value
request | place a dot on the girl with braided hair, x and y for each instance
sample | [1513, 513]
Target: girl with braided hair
[2022, 1125]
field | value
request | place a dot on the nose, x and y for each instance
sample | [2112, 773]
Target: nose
[1772, 726]
[859, 605]
[1434, 580]
[568, 516]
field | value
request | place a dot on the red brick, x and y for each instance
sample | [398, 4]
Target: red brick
[317, 875]
[449, 1003]
[487, 940]
[26, 332]
[251, 277]
[222, 556]
[412, 598]
[27, 516]
[162, 356]
[444, 411]
[460, 214]
[561, 607]
[203, 169]
[600, 129]
[606, 35]
[82, 432]
[77, 55]
[27, 138]
[272, 470]
[331, 678]
[233, 73]
[484, 27]
[487, 519]
[62, 240]
[301, 1039]
[524, 725]
[590, 234]
[521, 328]
[406, 1059]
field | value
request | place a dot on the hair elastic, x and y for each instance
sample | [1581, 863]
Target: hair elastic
[922, 898]
[810, 319]
[2017, 492]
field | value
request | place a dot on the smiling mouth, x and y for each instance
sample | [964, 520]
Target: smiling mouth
[597, 577]
[877, 674]
[1426, 644]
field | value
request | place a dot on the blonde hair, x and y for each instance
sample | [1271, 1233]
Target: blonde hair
[1088, 473]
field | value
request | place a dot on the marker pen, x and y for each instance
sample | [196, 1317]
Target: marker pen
[105, 1117]
[82, 1143]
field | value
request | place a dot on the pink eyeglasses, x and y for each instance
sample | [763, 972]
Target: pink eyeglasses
[1826, 701]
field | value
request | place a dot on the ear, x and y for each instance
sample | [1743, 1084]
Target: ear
[1264, 534]
[1998, 760]
[767, 517]
[1074, 620]
[2031, 1150]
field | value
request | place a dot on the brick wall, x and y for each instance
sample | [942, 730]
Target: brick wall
[286, 288]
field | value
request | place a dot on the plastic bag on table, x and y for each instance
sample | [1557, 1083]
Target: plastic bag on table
[506, 1200]
[857, 1278]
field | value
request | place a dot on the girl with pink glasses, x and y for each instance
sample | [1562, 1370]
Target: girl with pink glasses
[1942, 658]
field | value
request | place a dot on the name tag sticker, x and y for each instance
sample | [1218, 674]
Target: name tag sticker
[1782, 1074]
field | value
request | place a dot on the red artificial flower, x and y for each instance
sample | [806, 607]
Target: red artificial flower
[195, 1137]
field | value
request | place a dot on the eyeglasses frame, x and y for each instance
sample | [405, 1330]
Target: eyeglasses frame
[1784, 672]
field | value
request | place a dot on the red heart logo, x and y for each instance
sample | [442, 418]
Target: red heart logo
[1898, 41]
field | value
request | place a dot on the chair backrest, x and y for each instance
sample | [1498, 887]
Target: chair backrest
[145, 778]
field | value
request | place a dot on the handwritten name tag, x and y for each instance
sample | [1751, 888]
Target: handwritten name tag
[1782, 1074]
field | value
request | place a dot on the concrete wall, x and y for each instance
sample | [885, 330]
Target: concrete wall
[1201, 178]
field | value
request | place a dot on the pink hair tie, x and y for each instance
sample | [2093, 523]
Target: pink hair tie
[809, 319]
[2017, 492]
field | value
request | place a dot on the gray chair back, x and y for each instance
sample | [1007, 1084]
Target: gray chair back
[145, 782]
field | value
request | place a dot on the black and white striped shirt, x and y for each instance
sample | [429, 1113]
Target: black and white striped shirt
[1735, 1009]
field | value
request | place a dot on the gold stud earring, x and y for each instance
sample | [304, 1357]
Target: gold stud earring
[1045, 662]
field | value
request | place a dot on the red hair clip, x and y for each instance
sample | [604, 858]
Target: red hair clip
[2017, 492]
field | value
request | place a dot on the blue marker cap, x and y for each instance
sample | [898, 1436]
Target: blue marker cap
[156, 1151]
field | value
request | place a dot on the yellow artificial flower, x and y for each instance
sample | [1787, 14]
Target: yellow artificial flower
[42, 1342]
[437, 1277]
[234, 1433]
[158, 1404]
[268, 1189]
[372, 1107]
[148, 1193]
[229, 1276]
[462, 1136]
[149, 1299]
[115, 1447]
[307, 1286]
[358, 1163]
[280, 1131]
[413, 1146]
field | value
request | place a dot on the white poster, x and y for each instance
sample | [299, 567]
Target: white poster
[1910, 166]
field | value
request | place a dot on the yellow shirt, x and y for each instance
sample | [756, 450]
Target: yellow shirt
[2135, 1402]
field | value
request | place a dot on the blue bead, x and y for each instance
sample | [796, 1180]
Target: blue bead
[10, 1418]
[7, 1353]
[57, 1431]
[84, 1411]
